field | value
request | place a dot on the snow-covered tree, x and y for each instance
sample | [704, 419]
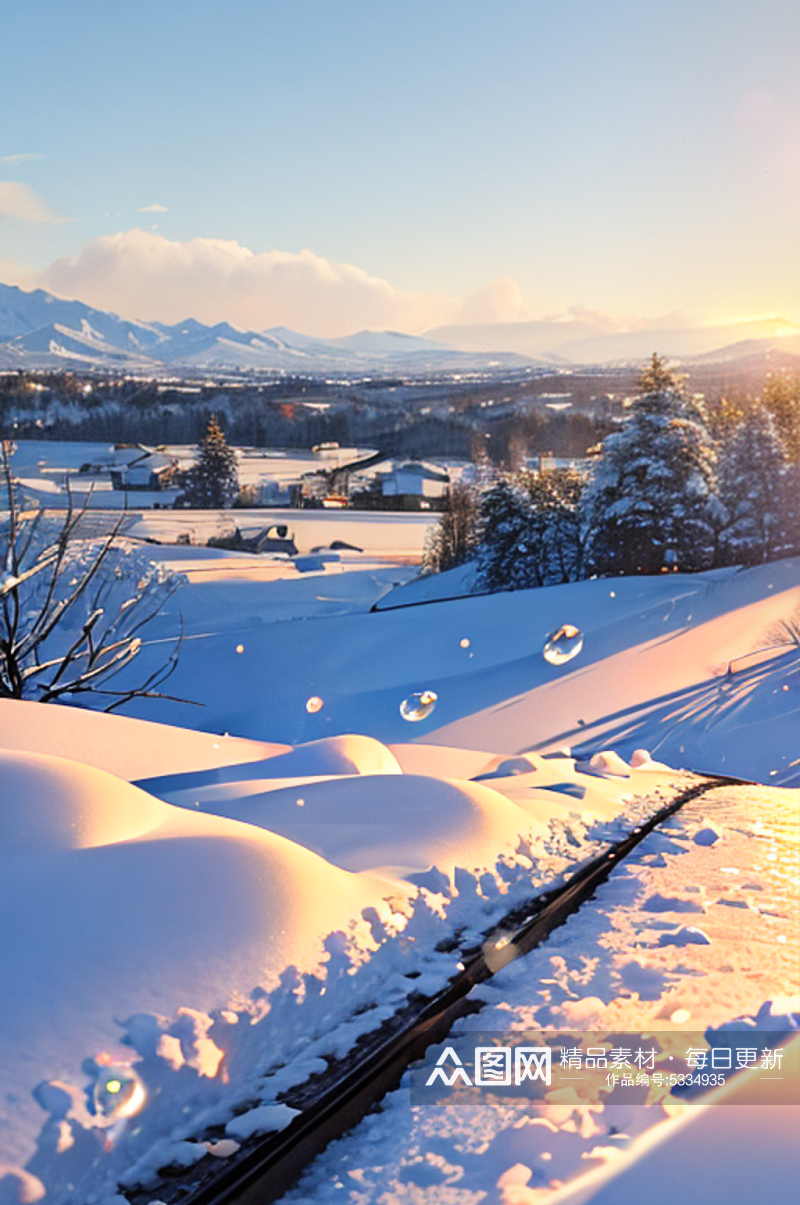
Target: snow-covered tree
[455, 537]
[751, 489]
[658, 377]
[213, 481]
[550, 544]
[504, 512]
[648, 503]
[782, 398]
[790, 510]
[530, 531]
[72, 609]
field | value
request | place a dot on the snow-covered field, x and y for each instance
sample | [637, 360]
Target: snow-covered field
[205, 910]
[653, 671]
[725, 869]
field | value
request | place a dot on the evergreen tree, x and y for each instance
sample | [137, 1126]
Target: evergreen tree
[530, 531]
[782, 399]
[790, 510]
[213, 481]
[549, 549]
[656, 377]
[752, 473]
[649, 501]
[504, 512]
[454, 539]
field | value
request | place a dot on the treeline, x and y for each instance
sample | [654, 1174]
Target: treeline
[64, 407]
[674, 488]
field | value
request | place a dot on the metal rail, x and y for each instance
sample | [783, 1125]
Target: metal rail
[264, 1173]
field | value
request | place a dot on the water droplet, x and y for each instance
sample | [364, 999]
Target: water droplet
[418, 706]
[118, 1092]
[563, 644]
[300, 802]
[240, 648]
[464, 643]
[784, 688]
[314, 704]
[612, 594]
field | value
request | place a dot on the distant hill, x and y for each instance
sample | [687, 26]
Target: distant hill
[586, 341]
[38, 330]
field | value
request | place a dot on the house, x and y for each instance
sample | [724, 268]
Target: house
[414, 479]
[148, 471]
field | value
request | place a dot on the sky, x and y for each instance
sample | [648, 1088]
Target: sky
[331, 165]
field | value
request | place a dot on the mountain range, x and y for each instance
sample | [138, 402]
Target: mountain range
[40, 331]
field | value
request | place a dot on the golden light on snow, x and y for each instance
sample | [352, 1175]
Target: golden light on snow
[314, 704]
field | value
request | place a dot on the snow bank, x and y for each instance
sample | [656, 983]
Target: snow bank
[216, 954]
[392, 823]
[125, 747]
[115, 904]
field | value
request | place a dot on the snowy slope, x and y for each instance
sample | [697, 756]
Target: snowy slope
[39, 330]
[176, 945]
[616, 969]
[652, 672]
[195, 909]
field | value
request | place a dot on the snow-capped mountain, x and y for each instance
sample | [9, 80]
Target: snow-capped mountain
[38, 330]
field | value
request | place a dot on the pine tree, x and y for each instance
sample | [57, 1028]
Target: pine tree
[648, 503]
[213, 481]
[752, 491]
[504, 513]
[782, 399]
[549, 550]
[455, 537]
[656, 377]
[790, 510]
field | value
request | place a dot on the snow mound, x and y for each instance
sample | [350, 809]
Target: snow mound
[604, 764]
[418, 758]
[406, 822]
[709, 834]
[348, 754]
[48, 803]
[689, 936]
[123, 905]
[641, 760]
[129, 748]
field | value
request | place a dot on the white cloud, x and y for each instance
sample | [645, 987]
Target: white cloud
[500, 301]
[154, 208]
[21, 203]
[140, 274]
[13, 160]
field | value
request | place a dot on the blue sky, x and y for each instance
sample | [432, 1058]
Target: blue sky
[462, 160]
